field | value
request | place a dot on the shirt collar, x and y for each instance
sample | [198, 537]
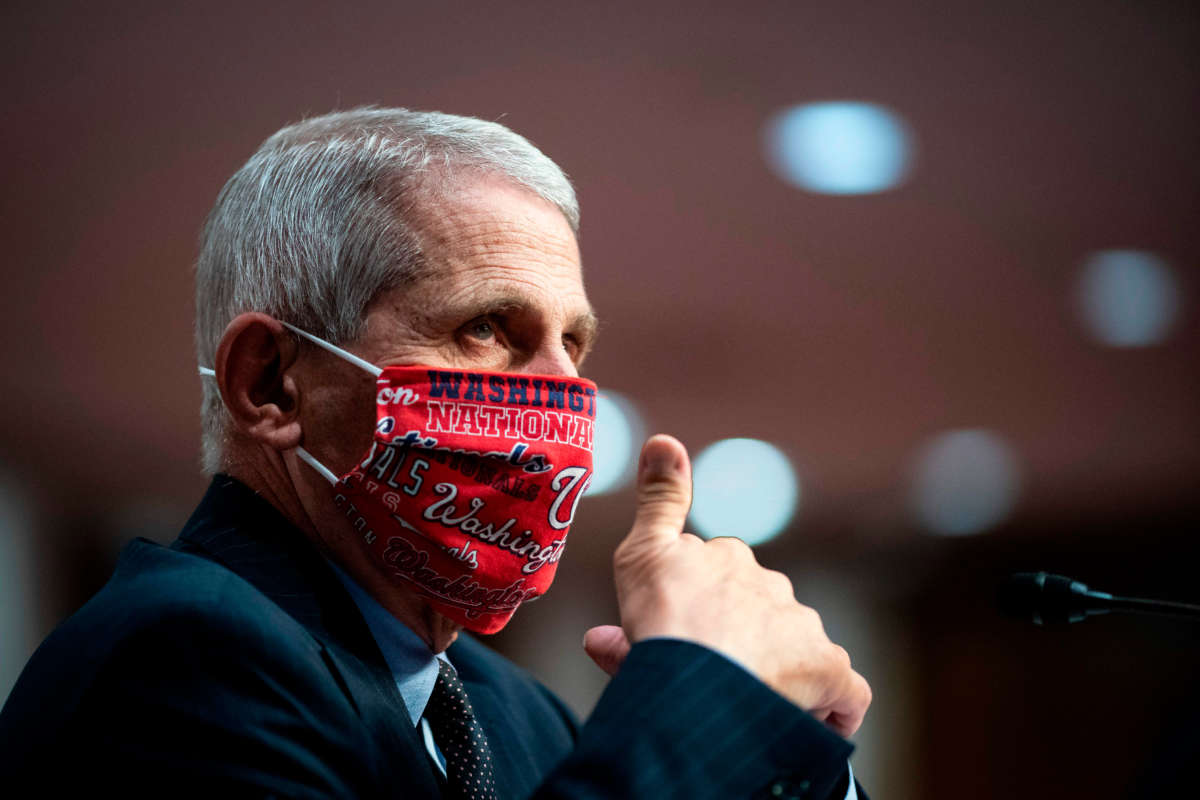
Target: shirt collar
[413, 666]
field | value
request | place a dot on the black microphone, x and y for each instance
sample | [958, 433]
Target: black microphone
[1048, 599]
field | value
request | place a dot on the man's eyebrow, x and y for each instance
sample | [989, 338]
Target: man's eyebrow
[476, 305]
[586, 324]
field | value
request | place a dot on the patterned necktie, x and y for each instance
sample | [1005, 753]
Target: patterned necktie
[461, 739]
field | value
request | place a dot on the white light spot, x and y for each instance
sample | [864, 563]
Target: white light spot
[744, 488]
[838, 148]
[1127, 298]
[17, 596]
[966, 482]
[618, 435]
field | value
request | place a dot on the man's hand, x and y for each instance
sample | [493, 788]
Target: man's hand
[715, 593]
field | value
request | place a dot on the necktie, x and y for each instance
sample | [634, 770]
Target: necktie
[461, 739]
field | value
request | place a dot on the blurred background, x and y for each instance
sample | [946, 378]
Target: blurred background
[915, 282]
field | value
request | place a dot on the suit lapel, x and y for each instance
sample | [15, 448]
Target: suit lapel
[238, 529]
[405, 764]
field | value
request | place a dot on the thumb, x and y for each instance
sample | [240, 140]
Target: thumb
[664, 491]
[607, 645]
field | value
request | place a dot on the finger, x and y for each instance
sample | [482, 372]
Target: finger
[664, 490]
[607, 645]
[847, 714]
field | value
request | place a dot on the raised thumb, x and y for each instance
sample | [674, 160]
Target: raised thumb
[607, 645]
[664, 491]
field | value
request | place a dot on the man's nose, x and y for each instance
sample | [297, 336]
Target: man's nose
[552, 359]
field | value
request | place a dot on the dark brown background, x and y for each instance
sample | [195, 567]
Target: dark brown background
[846, 330]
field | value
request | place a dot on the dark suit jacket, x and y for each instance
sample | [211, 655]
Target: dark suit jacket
[234, 662]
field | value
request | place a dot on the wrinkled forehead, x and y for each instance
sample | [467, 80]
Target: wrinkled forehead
[491, 246]
[488, 234]
[443, 200]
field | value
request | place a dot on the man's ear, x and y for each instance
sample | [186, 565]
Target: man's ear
[251, 365]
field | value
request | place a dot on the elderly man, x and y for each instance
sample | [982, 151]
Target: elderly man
[391, 319]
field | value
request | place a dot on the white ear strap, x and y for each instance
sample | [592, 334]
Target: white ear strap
[337, 351]
[307, 458]
[375, 371]
[319, 342]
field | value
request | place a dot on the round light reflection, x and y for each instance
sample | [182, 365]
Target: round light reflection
[838, 147]
[744, 488]
[618, 434]
[17, 609]
[966, 482]
[1127, 298]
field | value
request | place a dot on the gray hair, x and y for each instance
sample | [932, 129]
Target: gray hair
[317, 223]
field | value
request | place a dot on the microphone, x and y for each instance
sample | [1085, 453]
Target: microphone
[1050, 600]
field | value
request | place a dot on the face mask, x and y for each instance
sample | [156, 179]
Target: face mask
[471, 483]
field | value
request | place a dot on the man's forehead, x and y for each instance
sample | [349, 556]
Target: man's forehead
[494, 243]
[446, 197]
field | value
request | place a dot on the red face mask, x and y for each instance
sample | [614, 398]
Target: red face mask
[471, 483]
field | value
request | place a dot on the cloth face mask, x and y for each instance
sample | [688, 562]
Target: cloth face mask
[470, 484]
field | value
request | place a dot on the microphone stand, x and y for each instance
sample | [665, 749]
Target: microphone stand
[1161, 608]
[1048, 599]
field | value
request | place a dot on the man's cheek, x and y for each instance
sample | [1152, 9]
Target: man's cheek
[339, 427]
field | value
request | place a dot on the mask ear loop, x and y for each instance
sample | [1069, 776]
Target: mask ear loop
[305, 456]
[324, 345]
[321, 469]
[367, 366]
[337, 351]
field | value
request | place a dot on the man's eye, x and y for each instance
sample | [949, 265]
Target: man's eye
[482, 329]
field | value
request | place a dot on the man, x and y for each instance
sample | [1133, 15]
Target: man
[302, 637]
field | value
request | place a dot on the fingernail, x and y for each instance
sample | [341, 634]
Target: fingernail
[661, 461]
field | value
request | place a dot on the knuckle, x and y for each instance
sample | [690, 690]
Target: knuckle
[620, 555]
[865, 692]
[625, 555]
[839, 656]
[733, 547]
[778, 582]
[809, 616]
[656, 491]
